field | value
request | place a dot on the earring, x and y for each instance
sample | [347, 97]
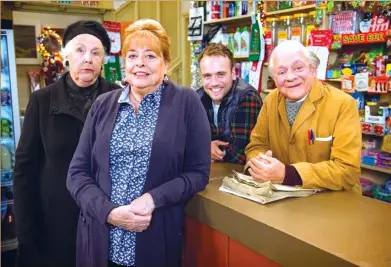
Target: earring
[67, 63]
[165, 79]
[124, 83]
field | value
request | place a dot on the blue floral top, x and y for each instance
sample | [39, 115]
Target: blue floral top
[130, 152]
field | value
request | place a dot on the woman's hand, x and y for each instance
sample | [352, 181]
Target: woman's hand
[143, 205]
[124, 217]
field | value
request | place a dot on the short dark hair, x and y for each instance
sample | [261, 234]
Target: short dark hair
[217, 50]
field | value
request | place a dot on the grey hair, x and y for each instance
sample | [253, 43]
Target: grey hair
[314, 60]
[294, 46]
[65, 51]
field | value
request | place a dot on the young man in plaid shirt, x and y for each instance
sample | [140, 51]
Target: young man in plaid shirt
[232, 104]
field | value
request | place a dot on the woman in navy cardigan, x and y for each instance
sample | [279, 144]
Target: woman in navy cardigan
[144, 151]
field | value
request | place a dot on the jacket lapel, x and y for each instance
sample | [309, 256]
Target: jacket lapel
[161, 135]
[308, 107]
[283, 115]
[59, 102]
[107, 130]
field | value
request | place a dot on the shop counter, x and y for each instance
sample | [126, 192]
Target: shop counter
[327, 229]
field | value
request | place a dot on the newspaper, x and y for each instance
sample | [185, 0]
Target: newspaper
[245, 186]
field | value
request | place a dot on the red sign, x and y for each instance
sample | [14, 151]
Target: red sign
[364, 38]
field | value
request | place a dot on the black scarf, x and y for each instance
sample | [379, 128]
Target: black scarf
[81, 97]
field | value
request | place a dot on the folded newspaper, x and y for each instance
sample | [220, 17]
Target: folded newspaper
[245, 186]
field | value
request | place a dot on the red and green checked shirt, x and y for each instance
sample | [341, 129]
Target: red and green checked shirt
[243, 121]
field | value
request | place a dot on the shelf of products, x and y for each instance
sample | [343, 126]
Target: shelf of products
[360, 55]
[374, 168]
[235, 32]
[291, 10]
[55, 6]
[233, 20]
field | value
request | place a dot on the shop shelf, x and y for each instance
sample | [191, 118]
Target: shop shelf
[333, 80]
[234, 20]
[240, 57]
[290, 10]
[374, 168]
[58, 7]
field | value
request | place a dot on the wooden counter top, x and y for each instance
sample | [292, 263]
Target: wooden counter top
[328, 229]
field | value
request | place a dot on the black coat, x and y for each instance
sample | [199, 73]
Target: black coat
[45, 213]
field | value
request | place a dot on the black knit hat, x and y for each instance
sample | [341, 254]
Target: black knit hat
[87, 27]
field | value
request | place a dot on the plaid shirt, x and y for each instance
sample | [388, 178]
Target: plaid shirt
[243, 121]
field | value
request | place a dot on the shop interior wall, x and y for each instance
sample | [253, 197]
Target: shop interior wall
[168, 13]
[172, 15]
[54, 20]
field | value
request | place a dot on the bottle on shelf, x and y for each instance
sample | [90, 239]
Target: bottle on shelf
[225, 8]
[237, 43]
[310, 25]
[298, 28]
[238, 8]
[244, 42]
[283, 29]
[270, 36]
[231, 10]
[215, 11]
[244, 8]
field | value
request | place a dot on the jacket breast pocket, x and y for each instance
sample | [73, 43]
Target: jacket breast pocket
[321, 149]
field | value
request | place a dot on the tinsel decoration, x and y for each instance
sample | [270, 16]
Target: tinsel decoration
[320, 6]
[262, 15]
[195, 50]
[49, 46]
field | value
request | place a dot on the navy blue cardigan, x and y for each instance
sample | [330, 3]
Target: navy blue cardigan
[179, 168]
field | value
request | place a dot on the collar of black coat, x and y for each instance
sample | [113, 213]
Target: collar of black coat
[79, 91]
[59, 99]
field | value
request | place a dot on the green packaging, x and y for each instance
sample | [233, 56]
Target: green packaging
[255, 45]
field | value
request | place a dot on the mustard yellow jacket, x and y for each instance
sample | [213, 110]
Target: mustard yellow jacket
[333, 164]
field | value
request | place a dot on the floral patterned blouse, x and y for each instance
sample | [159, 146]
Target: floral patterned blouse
[130, 152]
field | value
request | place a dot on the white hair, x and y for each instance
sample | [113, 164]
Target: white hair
[293, 46]
[65, 51]
[314, 60]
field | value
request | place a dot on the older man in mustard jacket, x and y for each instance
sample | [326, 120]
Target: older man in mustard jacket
[308, 133]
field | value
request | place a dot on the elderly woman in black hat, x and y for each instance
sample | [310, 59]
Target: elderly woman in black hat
[46, 215]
